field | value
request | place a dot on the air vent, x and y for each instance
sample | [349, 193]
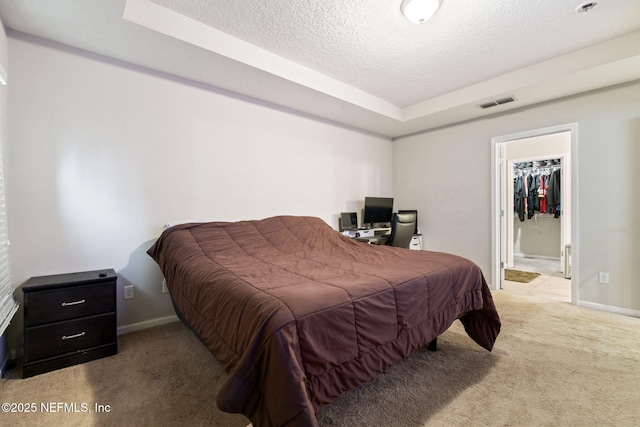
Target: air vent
[505, 100]
[586, 7]
[497, 102]
[489, 104]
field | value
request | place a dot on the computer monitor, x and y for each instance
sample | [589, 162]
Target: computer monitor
[414, 212]
[377, 210]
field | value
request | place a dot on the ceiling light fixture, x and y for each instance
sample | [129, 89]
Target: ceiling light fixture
[419, 11]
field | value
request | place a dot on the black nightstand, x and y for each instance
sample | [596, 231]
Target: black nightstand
[68, 319]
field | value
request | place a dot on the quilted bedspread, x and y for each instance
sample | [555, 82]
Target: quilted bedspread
[298, 314]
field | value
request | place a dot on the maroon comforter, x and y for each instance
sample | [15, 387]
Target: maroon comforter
[298, 314]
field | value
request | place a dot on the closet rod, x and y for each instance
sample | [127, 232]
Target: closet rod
[518, 167]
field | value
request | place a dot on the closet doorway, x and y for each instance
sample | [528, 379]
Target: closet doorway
[532, 229]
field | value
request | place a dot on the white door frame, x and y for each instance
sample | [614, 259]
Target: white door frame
[498, 203]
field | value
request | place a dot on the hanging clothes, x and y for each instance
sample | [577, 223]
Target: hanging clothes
[518, 197]
[537, 189]
[553, 194]
[542, 194]
[533, 204]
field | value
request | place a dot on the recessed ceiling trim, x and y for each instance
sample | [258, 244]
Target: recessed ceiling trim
[170, 23]
[561, 67]
[97, 26]
[166, 21]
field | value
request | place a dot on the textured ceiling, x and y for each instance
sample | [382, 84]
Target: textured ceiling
[359, 62]
[370, 45]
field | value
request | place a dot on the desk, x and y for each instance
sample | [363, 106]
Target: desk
[376, 236]
[375, 240]
[367, 232]
[380, 236]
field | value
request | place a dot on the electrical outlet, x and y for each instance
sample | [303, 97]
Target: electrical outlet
[603, 277]
[164, 287]
[128, 292]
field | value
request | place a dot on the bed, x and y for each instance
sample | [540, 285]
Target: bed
[298, 314]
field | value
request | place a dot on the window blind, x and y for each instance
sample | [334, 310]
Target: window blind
[8, 304]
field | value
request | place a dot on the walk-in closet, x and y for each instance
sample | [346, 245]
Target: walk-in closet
[537, 205]
[538, 223]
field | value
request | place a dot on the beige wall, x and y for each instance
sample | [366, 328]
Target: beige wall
[446, 174]
[101, 154]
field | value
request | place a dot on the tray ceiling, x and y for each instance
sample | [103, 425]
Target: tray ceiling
[359, 63]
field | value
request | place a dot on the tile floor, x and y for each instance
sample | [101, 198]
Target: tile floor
[551, 283]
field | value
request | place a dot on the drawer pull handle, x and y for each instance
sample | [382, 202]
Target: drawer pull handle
[65, 304]
[65, 337]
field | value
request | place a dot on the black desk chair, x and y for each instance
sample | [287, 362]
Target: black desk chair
[403, 226]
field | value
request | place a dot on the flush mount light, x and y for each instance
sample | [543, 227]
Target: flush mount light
[586, 7]
[419, 11]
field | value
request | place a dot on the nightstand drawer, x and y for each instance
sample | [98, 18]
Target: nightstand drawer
[68, 303]
[72, 335]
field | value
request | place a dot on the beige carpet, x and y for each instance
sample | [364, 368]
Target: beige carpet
[553, 365]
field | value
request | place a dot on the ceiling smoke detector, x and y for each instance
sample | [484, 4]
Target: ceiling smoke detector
[586, 7]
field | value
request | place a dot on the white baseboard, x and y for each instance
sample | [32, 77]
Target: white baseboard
[610, 308]
[146, 324]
